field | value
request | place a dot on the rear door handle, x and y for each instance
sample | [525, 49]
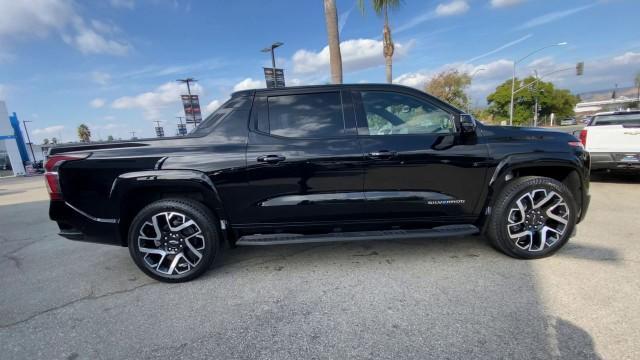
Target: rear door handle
[382, 154]
[271, 159]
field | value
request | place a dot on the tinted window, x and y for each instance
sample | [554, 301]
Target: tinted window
[390, 113]
[307, 115]
[617, 119]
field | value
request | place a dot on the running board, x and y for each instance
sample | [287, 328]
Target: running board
[437, 232]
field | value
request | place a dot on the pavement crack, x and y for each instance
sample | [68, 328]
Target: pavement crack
[90, 296]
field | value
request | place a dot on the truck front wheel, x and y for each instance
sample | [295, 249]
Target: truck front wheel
[532, 217]
[174, 240]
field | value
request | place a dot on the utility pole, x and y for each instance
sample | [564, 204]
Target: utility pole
[188, 81]
[24, 123]
[133, 134]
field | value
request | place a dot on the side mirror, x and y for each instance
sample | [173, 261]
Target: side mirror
[467, 124]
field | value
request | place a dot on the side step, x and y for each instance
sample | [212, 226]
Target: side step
[437, 232]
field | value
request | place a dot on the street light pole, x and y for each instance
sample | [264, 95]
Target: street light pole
[24, 123]
[273, 58]
[513, 78]
[473, 74]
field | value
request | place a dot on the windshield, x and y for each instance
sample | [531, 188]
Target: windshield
[618, 119]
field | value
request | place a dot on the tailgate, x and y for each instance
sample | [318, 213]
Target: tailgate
[613, 138]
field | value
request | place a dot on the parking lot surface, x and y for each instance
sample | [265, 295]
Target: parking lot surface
[443, 298]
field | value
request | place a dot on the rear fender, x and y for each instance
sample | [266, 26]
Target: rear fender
[163, 182]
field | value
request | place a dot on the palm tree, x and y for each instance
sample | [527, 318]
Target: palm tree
[381, 7]
[54, 141]
[335, 58]
[45, 141]
[84, 133]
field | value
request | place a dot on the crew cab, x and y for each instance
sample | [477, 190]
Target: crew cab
[317, 164]
[613, 140]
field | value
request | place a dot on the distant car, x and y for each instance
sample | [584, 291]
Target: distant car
[613, 139]
[568, 121]
[587, 119]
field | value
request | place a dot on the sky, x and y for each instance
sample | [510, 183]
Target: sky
[112, 64]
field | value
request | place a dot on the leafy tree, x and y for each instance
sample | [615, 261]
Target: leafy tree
[335, 58]
[110, 138]
[45, 141]
[550, 100]
[54, 141]
[381, 7]
[84, 133]
[450, 86]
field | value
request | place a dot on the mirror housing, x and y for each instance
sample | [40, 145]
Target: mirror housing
[467, 124]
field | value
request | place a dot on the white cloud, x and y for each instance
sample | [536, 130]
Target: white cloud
[100, 78]
[212, 106]
[455, 7]
[125, 4]
[500, 48]
[20, 20]
[357, 54]
[599, 74]
[88, 40]
[415, 21]
[505, 3]
[553, 16]
[97, 103]
[34, 17]
[153, 103]
[248, 83]
[47, 132]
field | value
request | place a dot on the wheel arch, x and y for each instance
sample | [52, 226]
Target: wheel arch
[565, 171]
[133, 191]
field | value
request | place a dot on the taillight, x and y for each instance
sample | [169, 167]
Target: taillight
[51, 175]
[583, 137]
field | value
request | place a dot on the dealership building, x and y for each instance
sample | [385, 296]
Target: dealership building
[13, 149]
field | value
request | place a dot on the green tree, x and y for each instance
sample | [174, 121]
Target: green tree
[550, 100]
[450, 86]
[110, 138]
[381, 7]
[54, 141]
[84, 133]
[45, 141]
[335, 58]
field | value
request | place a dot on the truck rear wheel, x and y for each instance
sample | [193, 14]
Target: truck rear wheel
[174, 240]
[532, 217]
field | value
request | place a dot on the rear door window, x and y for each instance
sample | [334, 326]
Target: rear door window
[317, 115]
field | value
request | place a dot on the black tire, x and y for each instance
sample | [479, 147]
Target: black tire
[505, 213]
[196, 256]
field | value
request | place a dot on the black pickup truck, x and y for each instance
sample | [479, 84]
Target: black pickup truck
[315, 164]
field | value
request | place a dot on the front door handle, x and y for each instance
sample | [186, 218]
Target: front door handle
[271, 159]
[382, 154]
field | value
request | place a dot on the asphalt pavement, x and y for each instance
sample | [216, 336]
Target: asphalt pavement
[433, 298]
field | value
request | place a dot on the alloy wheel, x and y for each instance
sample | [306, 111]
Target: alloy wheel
[171, 243]
[537, 220]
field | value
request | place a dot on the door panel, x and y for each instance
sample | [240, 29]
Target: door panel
[417, 165]
[296, 179]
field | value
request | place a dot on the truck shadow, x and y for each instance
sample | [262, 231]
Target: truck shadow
[432, 298]
[436, 298]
